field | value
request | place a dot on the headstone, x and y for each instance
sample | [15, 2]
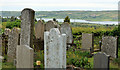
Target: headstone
[12, 44]
[110, 46]
[39, 36]
[24, 57]
[54, 49]
[66, 29]
[87, 41]
[51, 24]
[101, 61]
[27, 27]
[39, 30]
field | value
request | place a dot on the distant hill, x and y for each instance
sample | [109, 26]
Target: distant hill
[85, 15]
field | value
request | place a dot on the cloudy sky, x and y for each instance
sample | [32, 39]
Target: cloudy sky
[57, 5]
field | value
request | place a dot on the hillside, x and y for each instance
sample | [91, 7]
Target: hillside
[85, 15]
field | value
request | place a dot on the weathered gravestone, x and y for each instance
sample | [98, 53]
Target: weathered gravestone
[101, 61]
[24, 57]
[87, 41]
[66, 29]
[39, 30]
[27, 27]
[50, 24]
[110, 46]
[12, 44]
[54, 49]
[39, 35]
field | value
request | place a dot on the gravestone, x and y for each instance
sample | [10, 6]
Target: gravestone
[51, 24]
[110, 46]
[24, 57]
[39, 36]
[12, 44]
[87, 41]
[27, 27]
[66, 29]
[39, 30]
[101, 61]
[54, 49]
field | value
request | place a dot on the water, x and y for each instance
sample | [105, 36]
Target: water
[82, 21]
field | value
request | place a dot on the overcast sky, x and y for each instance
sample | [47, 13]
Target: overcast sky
[57, 5]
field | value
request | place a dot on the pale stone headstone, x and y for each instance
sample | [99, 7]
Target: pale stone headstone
[87, 41]
[27, 27]
[39, 30]
[12, 44]
[110, 46]
[50, 24]
[66, 29]
[54, 49]
[101, 61]
[24, 57]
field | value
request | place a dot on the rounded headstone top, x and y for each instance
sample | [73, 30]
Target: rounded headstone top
[28, 9]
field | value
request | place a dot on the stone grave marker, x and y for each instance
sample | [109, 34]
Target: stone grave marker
[51, 24]
[54, 49]
[24, 57]
[66, 29]
[12, 44]
[39, 30]
[110, 46]
[87, 41]
[101, 61]
[27, 27]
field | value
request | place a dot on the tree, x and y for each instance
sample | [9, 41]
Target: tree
[67, 19]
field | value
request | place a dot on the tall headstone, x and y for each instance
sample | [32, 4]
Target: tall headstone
[50, 24]
[66, 29]
[110, 46]
[101, 61]
[54, 49]
[39, 36]
[39, 30]
[24, 57]
[87, 41]
[27, 27]
[12, 44]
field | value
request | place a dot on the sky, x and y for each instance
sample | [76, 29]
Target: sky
[58, 5]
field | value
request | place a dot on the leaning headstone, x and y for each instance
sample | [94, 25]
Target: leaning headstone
[27, 27]
[39, 30]
[12, 44]
[50, 24]
[110, 46]
[24, 57]
[101, 61]
[54, 49]
[87, 41]
[66, 29]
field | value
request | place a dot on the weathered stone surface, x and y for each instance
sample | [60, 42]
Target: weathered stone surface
[51, 24]
[66, 29]
[24, 57]
[110, 46]
[101, 60]
[27, 27]
[54, 49]
[39, 30]
[87, 41]
[12, 44]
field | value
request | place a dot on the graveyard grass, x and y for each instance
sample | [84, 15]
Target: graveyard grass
[74, 55]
